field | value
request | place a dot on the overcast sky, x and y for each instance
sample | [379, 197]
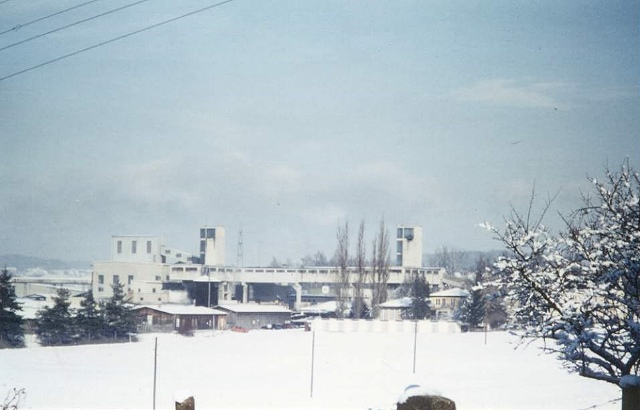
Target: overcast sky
[286, 118]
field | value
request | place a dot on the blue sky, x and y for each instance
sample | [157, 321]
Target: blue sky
[287, 118]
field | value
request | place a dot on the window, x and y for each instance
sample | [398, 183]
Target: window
[408, 233]
[116, 279]
[202, 232]
[119, 245]
[167, 277]
[134, 246]
[148, 246]
[101, 279]
[399, 260]
[399, 236]
[158, 277]
[129, 279]
[100, 289]
[399, 247]
[153, 290]
[211, 233]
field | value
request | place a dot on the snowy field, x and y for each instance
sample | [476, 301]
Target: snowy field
[272, 369]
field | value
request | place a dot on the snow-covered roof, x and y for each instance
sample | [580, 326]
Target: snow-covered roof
[451, 293]
[182, 309]
[30, 307]
[254, 308]
[320, 308]
[405, 302]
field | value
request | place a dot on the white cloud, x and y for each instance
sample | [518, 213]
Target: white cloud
[514, 93]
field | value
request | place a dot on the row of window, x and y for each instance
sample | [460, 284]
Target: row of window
[134, 246]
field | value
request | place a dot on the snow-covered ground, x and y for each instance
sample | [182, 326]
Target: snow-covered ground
[272, 369]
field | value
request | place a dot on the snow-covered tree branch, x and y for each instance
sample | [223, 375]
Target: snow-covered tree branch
[581, 287]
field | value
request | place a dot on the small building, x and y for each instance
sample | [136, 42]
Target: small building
[183, 318]
[395, 309]
[255, 316]
[447, 302]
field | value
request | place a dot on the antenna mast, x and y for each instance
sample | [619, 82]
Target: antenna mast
[240, 256]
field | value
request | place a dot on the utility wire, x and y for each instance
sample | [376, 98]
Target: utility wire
[114, 39]
[19, 26]
[74, 24]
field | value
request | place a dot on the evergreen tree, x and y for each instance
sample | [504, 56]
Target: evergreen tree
[11, 333]
[473, 311]
[118, 317]
[420, 297]
[89, 319]
[54, 325]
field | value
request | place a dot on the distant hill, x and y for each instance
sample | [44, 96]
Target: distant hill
[22, 262]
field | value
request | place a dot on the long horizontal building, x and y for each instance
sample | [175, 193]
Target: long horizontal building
[154, 274]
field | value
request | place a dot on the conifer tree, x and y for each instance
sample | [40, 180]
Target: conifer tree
[420, 297]
[11, 333]
[118, 317]
[473, 311]
[54, 325]
[89, 319]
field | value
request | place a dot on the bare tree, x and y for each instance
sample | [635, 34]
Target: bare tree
[380, 267]
[450, 258]
[361, 273]
[317, 259]
[342, 261]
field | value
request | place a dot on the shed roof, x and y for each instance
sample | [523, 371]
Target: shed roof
[183, 310]
[253, 308]
[451, 293]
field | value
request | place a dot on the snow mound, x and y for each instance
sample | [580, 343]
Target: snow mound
[416, 390]
[181, 395]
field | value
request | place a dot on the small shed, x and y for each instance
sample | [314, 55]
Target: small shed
[395, 309]
[183, 318]
[254, 315]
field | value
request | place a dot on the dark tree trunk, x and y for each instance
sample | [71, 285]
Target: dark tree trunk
[631, 398]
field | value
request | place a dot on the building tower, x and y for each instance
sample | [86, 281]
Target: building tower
[212, 246]
[409, 246]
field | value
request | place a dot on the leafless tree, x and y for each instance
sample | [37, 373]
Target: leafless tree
[361, 273]
[380, 267]
[342, 261]
[450, 258]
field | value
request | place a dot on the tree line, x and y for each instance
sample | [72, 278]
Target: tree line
[59, 324]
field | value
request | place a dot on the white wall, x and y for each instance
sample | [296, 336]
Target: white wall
[136, 249]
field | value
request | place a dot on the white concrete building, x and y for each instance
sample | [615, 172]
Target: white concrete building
[212, 246]
[409, 246]
[149, 272]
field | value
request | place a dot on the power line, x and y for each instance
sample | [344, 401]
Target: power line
[114, 39]
[19, 26]
[74, 24]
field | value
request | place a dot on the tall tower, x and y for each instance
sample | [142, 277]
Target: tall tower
[212, 246]
[409, 246]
